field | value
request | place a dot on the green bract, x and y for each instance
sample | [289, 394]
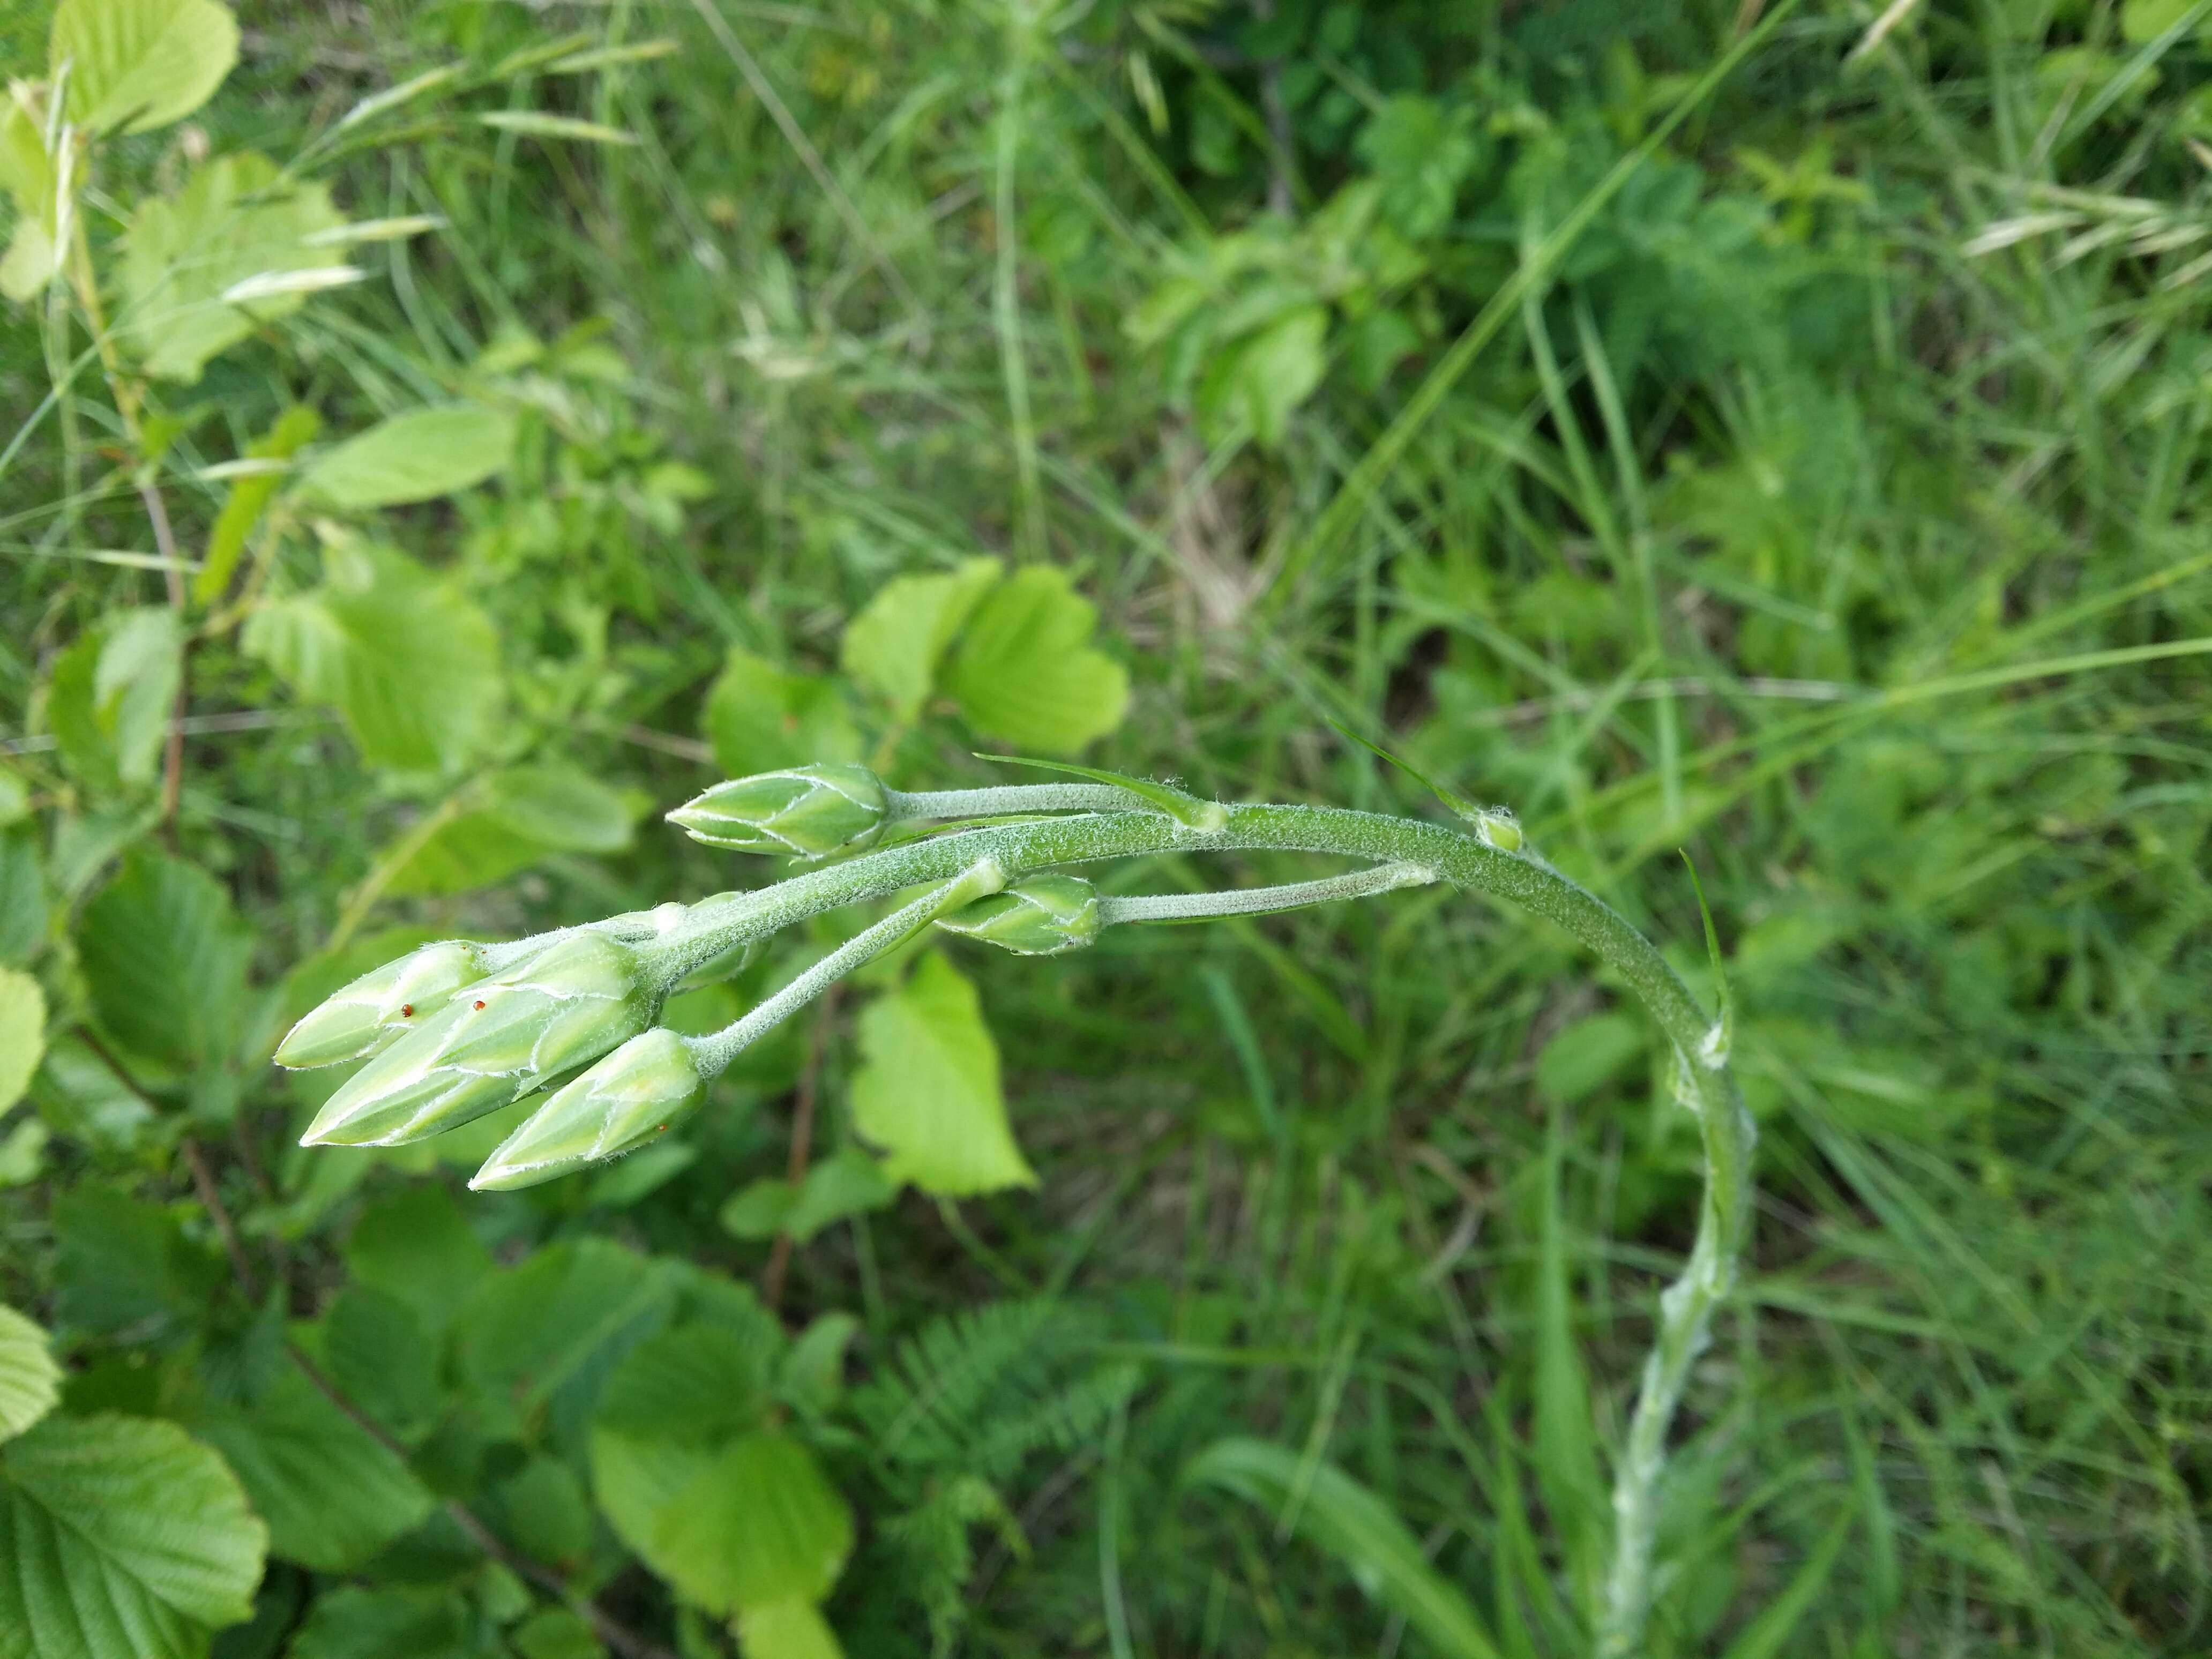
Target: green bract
[382, 1005]
[583, 996]
[807, 811]
[1040, 917]
[624, 1101]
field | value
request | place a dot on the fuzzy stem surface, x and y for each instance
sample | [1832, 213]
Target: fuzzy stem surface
[713, 1053]
[1261, 900]
[1004, 800]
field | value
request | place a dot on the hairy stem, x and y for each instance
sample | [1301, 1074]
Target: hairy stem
[1007, 799]
[713, 1053]
[1263, 900]
[1708, 1088]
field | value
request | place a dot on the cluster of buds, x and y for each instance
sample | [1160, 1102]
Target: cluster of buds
[457, 1029]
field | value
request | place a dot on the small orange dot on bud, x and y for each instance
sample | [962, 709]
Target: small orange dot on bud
[480, 1004]
[406, 1011]
[662, 1130]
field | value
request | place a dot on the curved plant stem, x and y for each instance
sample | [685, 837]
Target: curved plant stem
[1113, 912]
[1705, 1085]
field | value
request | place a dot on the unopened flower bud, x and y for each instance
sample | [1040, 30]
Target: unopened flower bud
[383, 1005]
[1499, 828]
[807, 811]
[1039, 917]
[582, 996]
[628, 1099]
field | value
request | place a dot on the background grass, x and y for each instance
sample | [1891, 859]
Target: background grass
[1826, 517]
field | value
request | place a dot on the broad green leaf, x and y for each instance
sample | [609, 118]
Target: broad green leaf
[637, 1476]
[27, 265]
[331, 1495]
[1589, 1053]
[352, 1623]
[249, 497]
[415, 456]
[554, 1633]
[30, 1381]
[111, 694]
[1265, 376]
[137, 65]
[22, 896]
[14, 798]
[893, 646]
[927, 1090]
[760, 719]
[1026, 670]
[844, 1184]
[410, 663]
[23, 1152]
[134, 686]
[839, 1187]
[700, 1384]
[542, 1338]
[543, 1508]
[377, 1352]
[759, 1525]
[527, 813]
[1333, 1511]
[233, 222]
[164, 959]
[22, 1033]
[27, 174]
[414, 1246]
[124, 1536]
[664, 1417]
[79, 1094]
[786, 1630]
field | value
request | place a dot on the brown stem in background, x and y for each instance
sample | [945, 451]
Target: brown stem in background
[172, 760]
[619, 1637]
[802, 1139]
[226, 1230]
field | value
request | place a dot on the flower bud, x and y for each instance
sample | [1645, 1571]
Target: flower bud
[1499, 829]
[583, 995]
[1039, 917]
[620, 1103]
[807, 811]
[383, 1005]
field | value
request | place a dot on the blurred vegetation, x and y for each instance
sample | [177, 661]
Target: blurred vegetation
[1829, 504]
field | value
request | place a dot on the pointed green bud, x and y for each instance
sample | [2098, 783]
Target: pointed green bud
[566, 1006]
[806, 812]
[1498, 827]
[625, 1101]
[381, 1007]
[1039, 917]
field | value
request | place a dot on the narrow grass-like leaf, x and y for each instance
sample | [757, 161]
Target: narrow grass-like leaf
[1346, 1521]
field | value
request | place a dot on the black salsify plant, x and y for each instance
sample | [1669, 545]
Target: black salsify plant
[459, 1029]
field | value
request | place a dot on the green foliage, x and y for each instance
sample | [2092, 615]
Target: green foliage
[927, 1091]
[29, 1375]
[22, 1033]
[136, 65]
[234, 222]
[414, 457]
[1026, 672]
[141, 1538]
[544, 417]
[410, 664]
[1343, 1518]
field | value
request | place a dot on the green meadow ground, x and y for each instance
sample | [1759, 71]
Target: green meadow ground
[1832, 511]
